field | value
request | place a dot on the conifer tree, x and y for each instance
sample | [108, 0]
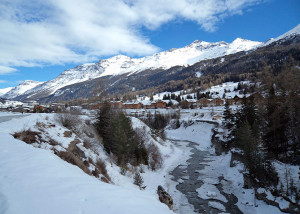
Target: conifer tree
[138, 180]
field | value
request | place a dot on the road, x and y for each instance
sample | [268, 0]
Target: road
[4, 118]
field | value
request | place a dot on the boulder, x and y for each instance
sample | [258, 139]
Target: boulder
[164, 197]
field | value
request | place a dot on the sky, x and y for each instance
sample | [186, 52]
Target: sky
[40, 39]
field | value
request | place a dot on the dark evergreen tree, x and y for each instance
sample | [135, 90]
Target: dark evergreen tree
[103, 125]
[138, 180]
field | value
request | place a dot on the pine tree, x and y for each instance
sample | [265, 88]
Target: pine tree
[103, 125]
[228, 116]
[138, 180]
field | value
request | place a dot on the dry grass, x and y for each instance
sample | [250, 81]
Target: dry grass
[67, 120]
[67, 134]
[28, 136]
[101, 167]
[72, 159]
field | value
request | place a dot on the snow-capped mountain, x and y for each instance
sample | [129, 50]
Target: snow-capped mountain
[5, 90]
[120, 64]
[295, 31]
[20, 89]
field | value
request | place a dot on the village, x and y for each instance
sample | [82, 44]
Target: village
[35, 107]
[218, 95]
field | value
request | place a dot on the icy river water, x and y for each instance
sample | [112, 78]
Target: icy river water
[190, 178]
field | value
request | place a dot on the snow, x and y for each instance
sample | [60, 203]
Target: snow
[209, 191]
[10, 103]
[217, 205]
[37, 181]
[20, 89]
[199, 133]
[121, 64]
[286, 172]
[34, 180]
[232, 183]
[294, 31]
[5, 90]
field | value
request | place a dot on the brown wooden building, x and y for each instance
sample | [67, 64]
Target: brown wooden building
[116, 104]
[132, 105]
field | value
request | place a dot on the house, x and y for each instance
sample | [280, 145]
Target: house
[149, 105]
[218, 102]
[204, 102]
[116, 104]
[161, 104]
[132, 105]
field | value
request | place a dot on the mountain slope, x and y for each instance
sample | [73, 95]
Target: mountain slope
[5, 90]
[121, 64]
[121, 72]
[295, 31]
[243, 64]
[21, 89]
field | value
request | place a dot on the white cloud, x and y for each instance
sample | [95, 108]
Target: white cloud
[6, 70]
[3, 81]
[41, 32]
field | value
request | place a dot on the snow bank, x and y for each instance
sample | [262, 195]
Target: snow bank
[37, 181]
[198, 132]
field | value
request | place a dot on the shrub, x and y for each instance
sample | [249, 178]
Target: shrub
[155, 158]
[67, 120]
[72, 159]
[138, 180]
[100, 165]
[28, 136]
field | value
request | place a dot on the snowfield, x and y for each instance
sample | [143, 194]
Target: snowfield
[34, 180]
[37, 181]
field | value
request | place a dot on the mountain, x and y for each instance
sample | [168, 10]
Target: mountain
[292, 33]
[20, 89]
[5, 90]
[121, 73]
[121, 64]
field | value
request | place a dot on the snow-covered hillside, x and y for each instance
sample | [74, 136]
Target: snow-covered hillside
[120, 64]
[5, 90]
[20, 89]
[293, 32]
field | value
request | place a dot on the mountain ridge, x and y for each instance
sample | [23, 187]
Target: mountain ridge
[124, 65]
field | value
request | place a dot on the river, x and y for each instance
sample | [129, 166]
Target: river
[190, 178]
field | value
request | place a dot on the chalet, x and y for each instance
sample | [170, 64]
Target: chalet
[218, 102]
[149, 104]
[132, 105]
[116, 104]
[58, 107]
[161, 104]
[204, 102]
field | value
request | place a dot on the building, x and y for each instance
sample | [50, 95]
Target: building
[132, 105]
[116, 104]
[161, 104]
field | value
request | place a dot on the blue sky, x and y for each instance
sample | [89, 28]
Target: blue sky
[40, 40]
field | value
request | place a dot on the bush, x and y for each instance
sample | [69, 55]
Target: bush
[100, 165]
[67, 120]
[155, 158]
[138, 180]
[28, 136]
[72, 159]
